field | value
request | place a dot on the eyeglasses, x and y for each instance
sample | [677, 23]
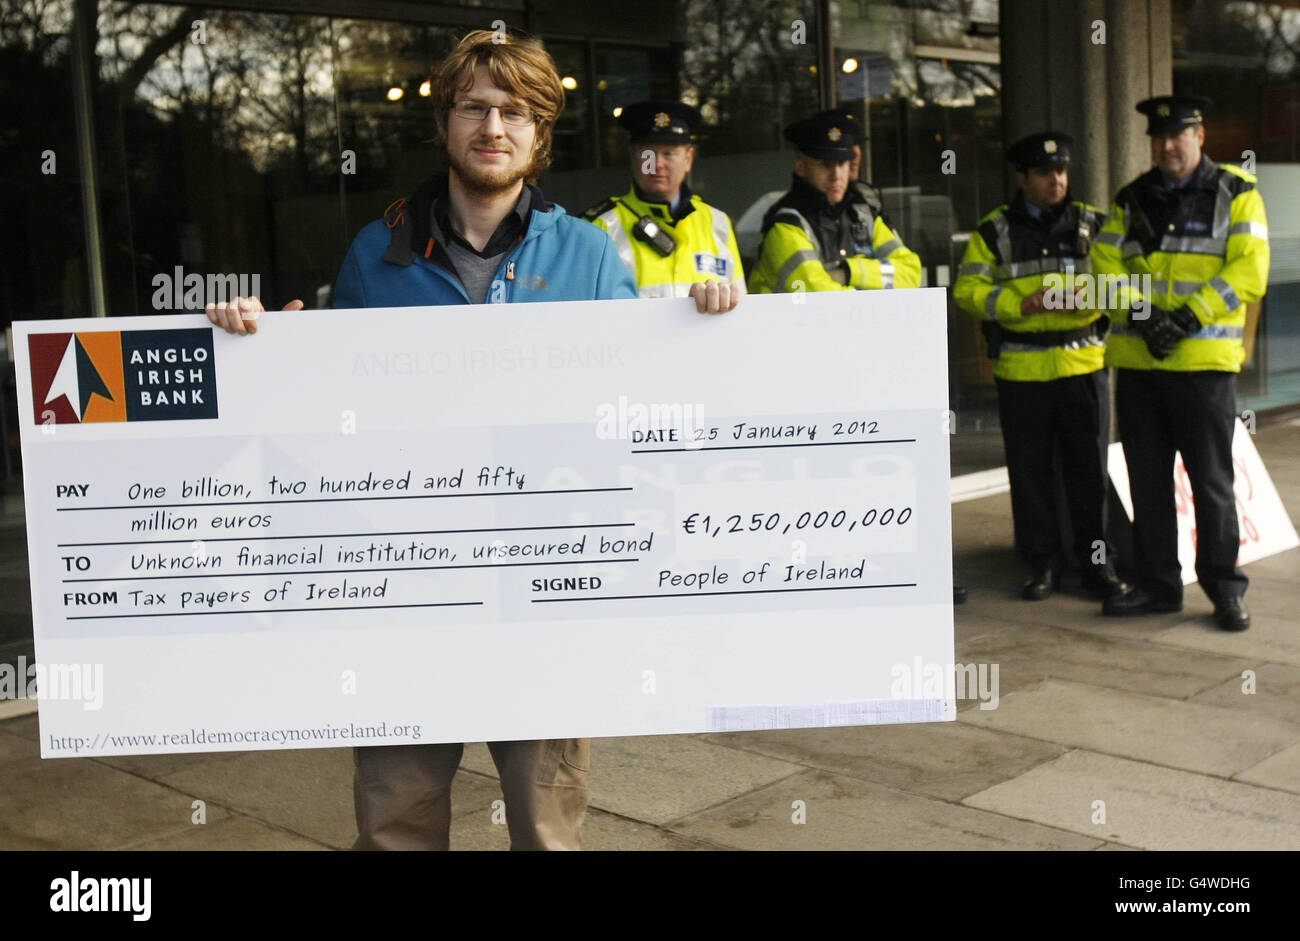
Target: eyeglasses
[473, 110]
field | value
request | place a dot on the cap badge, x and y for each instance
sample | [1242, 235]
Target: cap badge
[1049, 146]
[661, 119]
[1162, 111]
[834, 134]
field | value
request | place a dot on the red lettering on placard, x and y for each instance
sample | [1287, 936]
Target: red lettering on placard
[1244, 491]
[1241, 475]
[1182, 491]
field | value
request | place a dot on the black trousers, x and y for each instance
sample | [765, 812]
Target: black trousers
[1193, 413]
[1038, 417]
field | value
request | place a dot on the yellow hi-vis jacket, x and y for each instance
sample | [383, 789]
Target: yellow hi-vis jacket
[1009, 257]
[706, 245]
[799, 251]
[1203, 245]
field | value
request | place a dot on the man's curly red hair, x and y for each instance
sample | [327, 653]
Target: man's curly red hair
[520, 67]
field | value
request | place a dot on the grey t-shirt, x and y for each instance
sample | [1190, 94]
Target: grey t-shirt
[474, 270]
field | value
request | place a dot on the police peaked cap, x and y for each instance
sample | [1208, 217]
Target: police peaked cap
[828, 135]
[1045, 149]
[1169, 114]
[660, 122]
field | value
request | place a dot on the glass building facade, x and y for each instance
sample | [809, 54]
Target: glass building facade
[259, 137]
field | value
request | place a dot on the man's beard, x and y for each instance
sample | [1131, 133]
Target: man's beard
[485, 182]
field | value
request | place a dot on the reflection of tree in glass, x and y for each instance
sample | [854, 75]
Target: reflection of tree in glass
[955, 84]
[742, 70]
[1256, 37]
[388, 137]
[258, 84]
[41, 269]
[35, 28]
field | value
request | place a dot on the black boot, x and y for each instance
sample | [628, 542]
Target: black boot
[1102, 582]
[1139, 601]
[1231, 614]
[1044, 581]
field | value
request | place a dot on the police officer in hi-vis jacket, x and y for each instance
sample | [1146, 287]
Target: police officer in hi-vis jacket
[1197, 230]
[828, 232]
[1053, 390]
[668, 237]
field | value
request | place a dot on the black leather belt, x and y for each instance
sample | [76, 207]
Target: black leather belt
[996, 334]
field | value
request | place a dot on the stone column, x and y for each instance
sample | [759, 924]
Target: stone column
[1079, 66]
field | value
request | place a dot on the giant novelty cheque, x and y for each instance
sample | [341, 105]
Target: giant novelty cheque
[484, 523]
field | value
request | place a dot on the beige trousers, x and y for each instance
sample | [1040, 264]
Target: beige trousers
[403, 793]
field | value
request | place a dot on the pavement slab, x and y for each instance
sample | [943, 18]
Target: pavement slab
[69, 803]
[1270, 637]
[1147, 806]
[608, 832]
[1277, 692]
[233, 832]
[947, 760]
[1168, 732]
[304, 791]
[658, 778]
[1028, 655]
[1281, 771]
[843, 813]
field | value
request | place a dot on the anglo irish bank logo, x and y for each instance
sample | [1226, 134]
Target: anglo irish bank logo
[128, 375]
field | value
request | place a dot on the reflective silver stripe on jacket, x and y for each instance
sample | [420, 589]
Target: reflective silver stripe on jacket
[1215, 332]
[1072, 345]
[974, 268]
[1047, 265]
[1181, 288]
[1194, 245]
[1225, 291]
[1003, 229]
[791, 264]
[884, 251]
[1113, 239]
[991, 303]
[621, 241]
[1222, 208]
[785, 216]
[1257, 229]
[886, 275]
[664, 290]
[721, 231]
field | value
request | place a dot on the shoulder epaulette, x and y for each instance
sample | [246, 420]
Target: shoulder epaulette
[870, 194]
[995, 213]
[1243, 181]
[599, 209]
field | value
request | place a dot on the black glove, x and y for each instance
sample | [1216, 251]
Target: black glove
[1166, 329]
[1187, 321]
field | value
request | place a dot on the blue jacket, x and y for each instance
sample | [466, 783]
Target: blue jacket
[560, 258]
